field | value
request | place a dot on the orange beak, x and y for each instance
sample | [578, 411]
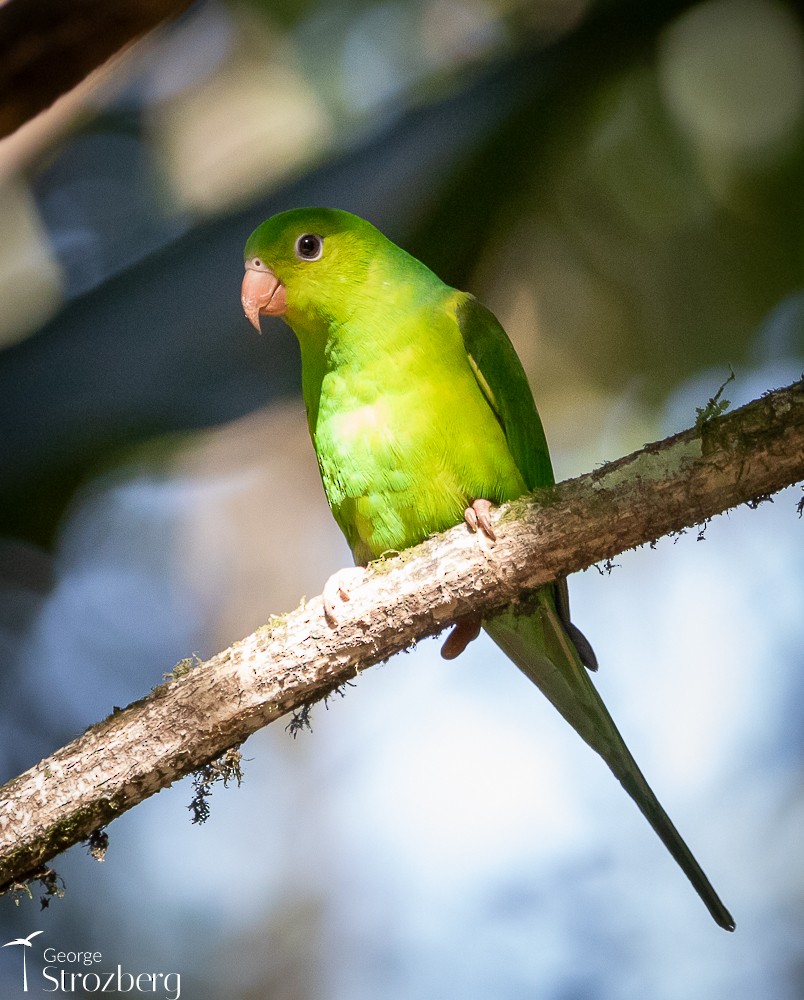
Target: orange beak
[262, 293]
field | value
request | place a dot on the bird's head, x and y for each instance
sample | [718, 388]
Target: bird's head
[308, 265]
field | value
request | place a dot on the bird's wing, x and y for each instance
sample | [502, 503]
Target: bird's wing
[502, 379]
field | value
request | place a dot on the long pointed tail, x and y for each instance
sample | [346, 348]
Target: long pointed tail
[536, 641]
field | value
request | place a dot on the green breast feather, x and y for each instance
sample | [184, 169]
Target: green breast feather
[405, 437]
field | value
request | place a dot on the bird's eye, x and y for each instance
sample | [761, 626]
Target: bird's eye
[309, 246]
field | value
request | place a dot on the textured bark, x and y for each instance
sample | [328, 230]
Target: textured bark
[47, 46]
[297, 659]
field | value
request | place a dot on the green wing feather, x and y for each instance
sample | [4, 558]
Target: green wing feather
[501, 377]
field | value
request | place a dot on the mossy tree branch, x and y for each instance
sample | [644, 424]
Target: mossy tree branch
[293, 661]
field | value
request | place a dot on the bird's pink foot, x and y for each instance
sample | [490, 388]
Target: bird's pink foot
[462, 634]
[479, 516]
[338, 589]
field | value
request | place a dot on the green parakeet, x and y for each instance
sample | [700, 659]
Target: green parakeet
[421, 417]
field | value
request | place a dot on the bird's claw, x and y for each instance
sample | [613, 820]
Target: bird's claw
[479, 516]
[462, 634]
[337, 589]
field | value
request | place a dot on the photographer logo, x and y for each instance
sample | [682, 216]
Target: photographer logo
[27, 944]
[83, 972]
